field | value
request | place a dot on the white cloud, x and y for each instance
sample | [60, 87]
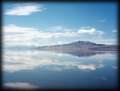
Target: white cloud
[14, 35]
[24, 10]
[17, 36]
[89, 30]
[86, 30]
[20, 85]
[13, 28]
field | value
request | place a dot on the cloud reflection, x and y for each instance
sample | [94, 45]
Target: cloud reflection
[90, 66]
[20, 85]
[15, 61]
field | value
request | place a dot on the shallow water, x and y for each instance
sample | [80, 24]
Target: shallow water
[42, 69]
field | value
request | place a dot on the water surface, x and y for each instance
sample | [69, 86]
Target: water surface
[43, 69]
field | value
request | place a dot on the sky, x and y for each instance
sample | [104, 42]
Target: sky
[39, 24]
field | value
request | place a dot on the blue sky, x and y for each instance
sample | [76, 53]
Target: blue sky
[58, 23]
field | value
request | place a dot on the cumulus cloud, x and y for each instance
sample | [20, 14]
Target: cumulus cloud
[20, 85]
[13, 28]
[24, 10]
[14, 35]
[89, 30]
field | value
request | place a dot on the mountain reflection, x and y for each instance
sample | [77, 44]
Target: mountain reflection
[30, 60]
[31, 69]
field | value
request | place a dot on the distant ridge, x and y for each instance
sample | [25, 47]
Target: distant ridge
[80, 48]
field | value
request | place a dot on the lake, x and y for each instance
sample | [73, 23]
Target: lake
[31, 69]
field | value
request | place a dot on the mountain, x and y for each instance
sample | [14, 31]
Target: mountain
[80, 48]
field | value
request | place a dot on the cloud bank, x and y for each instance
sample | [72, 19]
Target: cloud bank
[14, 35]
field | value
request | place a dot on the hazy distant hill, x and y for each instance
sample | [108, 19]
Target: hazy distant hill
[80, 48]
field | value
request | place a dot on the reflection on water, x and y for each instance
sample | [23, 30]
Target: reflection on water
[42, 69]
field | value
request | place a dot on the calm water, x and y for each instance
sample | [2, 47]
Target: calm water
[40, 69]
